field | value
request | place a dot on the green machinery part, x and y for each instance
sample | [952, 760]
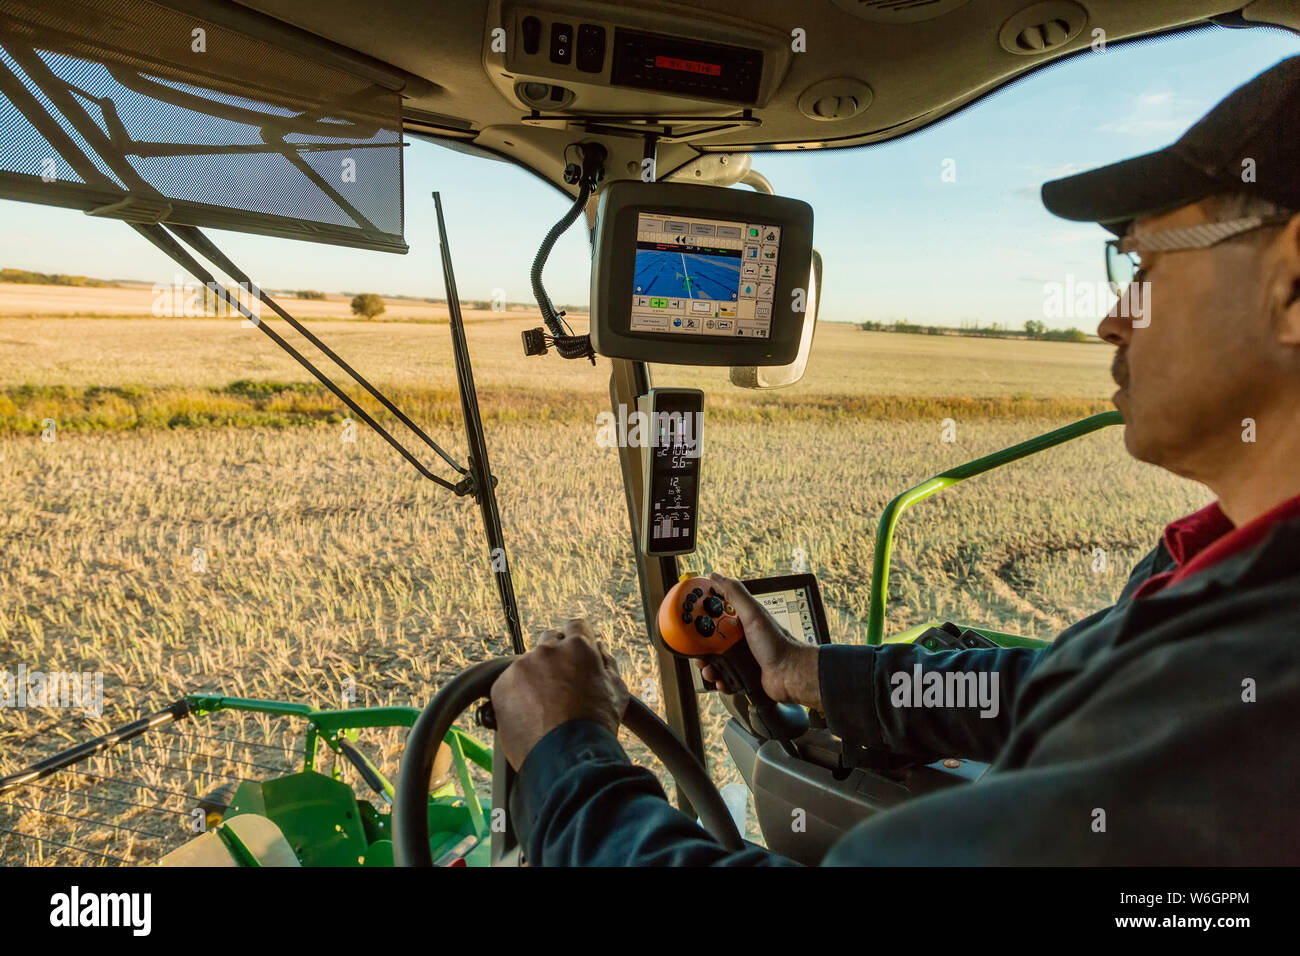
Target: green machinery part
[889, 519]
[320, 816]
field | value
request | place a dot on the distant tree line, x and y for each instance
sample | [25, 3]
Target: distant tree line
[1039, 330]
[44, 278]
[994, 330]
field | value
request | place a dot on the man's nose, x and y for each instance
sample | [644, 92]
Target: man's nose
[1116, 328]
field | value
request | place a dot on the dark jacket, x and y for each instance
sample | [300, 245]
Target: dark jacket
[1163, 730]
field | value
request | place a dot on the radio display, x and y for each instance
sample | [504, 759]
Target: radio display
[688, 66]
[685, 67]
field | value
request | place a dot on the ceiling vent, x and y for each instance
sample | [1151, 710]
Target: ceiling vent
[838, 99]
[1043, 28]
[898, 11]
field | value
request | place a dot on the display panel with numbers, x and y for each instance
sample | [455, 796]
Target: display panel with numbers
[671, 426]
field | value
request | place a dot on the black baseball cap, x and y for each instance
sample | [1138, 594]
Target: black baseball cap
[1258, 121]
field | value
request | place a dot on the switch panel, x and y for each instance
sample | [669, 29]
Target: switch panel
[591, 48]
[562, 43]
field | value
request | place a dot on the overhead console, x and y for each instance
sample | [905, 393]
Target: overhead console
[699, 275]
[623, 60]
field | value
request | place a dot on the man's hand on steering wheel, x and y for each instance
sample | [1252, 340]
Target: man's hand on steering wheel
[567, 676]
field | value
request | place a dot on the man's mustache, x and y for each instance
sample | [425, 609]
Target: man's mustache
[1119, 368]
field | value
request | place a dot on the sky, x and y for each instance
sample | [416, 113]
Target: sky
[941, 227]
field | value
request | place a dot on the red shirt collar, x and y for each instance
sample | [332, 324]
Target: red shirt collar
[1206, 537]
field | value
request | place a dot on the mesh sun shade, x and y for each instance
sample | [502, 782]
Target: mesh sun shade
[132, 109]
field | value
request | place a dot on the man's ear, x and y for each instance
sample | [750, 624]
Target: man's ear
[1285, 287]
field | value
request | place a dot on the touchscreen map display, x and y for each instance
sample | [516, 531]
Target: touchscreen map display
[704, 276]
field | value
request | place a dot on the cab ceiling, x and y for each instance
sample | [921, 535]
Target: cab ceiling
[883, 67]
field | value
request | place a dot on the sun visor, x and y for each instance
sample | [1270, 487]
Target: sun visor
[134, 110]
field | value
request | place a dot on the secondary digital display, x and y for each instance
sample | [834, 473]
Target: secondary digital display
[674, 473]
[795, 601]
[792, 609]
[704, 276]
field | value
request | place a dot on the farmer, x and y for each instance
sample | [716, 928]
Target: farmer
[1161, 730]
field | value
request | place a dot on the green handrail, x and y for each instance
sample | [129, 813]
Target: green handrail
[329, 725]
[889, 518]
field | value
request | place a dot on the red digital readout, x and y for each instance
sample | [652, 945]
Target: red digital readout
[688, 66]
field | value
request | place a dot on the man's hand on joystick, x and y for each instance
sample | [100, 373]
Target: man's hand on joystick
[789, 666]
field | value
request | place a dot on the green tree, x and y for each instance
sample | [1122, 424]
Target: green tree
[1065, 335]
[367, 304]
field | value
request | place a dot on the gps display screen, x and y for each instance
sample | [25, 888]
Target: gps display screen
[704, 276]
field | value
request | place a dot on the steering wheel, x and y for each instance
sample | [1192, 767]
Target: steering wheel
[410, 806]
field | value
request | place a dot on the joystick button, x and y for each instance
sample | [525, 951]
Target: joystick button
[697, 593]
[713, 606]
[704, 625]
[687, 617]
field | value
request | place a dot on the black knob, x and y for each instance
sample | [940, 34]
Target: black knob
[704, 625]
[713, 606]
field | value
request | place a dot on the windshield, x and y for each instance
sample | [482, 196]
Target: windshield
[186, 508]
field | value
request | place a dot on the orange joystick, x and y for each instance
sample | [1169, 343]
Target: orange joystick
[695, 620]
